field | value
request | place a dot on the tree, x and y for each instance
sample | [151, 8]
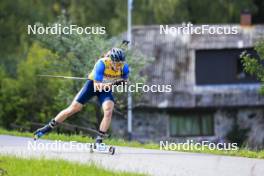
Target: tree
[28, 98]
[207, 11]
[14, 18]
[254, 65]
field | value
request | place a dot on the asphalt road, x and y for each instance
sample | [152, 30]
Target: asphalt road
[152, 162]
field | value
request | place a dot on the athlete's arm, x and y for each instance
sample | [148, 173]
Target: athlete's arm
[125, 72]
[99, 76]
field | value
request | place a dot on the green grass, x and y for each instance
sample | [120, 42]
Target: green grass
[14, 166]
[243, 152]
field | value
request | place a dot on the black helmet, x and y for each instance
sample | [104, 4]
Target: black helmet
[117, 55]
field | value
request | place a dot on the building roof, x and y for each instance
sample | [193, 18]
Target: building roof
[245, 38]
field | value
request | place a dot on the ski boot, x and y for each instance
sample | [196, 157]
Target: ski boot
[99, 139]
[47, 128]
[101, 147]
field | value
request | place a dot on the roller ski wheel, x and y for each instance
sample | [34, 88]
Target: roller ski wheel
[102, 148]
[112, 150]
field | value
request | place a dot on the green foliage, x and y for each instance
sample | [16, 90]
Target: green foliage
[254, 66]
[111, 14]
[212, 11]
[28, 98]
[77, 53]
[13, 165]
[197, 12]
[14, 18]
[160, 12]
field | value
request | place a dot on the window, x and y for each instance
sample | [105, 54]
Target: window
[192, 125]
[221, 66]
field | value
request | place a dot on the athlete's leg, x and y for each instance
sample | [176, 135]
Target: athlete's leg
[108, 107]
[81, 98]
[107, 101]
[69, 111]
[64, 114]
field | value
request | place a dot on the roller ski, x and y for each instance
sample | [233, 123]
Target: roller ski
[47, 128]
[101, 147]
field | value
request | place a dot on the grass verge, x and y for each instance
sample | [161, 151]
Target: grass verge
[14, 166]
[242, 152]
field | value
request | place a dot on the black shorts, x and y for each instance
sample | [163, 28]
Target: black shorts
[87, 92]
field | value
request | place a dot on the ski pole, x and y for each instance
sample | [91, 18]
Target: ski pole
[116, 81]
[65, 77]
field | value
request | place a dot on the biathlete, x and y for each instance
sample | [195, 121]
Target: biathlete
[110, 67]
